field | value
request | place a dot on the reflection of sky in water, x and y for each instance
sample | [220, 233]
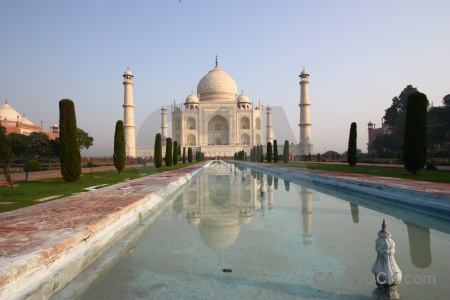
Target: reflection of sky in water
[295, 242]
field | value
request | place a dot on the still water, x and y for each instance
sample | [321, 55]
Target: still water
[295, 242]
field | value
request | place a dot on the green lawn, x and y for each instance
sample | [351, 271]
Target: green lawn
[425, 175]
[27, 193]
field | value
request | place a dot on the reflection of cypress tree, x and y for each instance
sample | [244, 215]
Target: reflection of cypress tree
[253, 173]
[275, 183]
[269, 180]
[258, 175]
[287, 185]
[419, 245]
[355, 212]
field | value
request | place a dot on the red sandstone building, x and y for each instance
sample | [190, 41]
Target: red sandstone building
[16, 123]
[374, 132]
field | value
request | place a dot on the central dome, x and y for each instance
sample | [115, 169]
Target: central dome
[217, 85]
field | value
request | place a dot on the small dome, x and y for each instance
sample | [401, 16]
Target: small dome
[128, 73]
[217, 85]
[243, 98]
[8, 113]
[304, 72]
[191, 99]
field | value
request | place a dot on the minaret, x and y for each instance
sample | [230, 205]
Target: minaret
[305, 123]
[306, 197]
[128, 117]
[163, 125]
[269, 125]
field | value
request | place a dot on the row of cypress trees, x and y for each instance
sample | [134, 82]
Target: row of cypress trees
[173, 152]
[257, 153]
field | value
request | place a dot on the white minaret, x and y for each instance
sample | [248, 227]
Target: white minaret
[163, 125]
[128, 117]
[306, 197]
[269, 124]
[306, 147]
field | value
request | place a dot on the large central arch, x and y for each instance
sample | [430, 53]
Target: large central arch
[218, 131]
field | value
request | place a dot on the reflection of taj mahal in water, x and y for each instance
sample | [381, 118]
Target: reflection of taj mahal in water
[223, 199]
[216, 120]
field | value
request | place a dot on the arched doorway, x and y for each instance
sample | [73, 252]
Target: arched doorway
[218, 131]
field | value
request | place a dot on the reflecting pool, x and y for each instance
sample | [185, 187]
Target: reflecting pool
[295, 242]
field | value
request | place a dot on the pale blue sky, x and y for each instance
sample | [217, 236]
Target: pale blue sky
[360, 54]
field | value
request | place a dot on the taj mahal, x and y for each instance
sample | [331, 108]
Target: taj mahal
[216, 120]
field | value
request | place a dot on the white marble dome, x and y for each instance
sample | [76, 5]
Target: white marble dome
[219, 233]
[8, 113]
[128, 73]
[191, 99]
[243, 98]
[217, 85]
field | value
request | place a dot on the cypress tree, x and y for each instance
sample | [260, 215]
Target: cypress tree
[262, 153]
[179, 151]
[69, 150]
[158, 151]
[189, 154]
[175, 153]
[257, 154]
[275, 151]
[184, 155]
[119, 155]
[269, 152]
[286, 151]
[351, 152]
[168, 158]
[415, 138]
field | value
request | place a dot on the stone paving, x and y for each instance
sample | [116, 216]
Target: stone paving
[43, 247]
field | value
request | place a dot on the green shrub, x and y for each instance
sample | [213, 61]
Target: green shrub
[33, 165]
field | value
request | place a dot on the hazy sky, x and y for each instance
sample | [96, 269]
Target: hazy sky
[360, 54]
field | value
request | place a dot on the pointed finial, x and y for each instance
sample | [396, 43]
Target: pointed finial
[217, 62]
[6, 101]
[383, 226]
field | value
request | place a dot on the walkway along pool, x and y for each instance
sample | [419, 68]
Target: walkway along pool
[219, 238]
